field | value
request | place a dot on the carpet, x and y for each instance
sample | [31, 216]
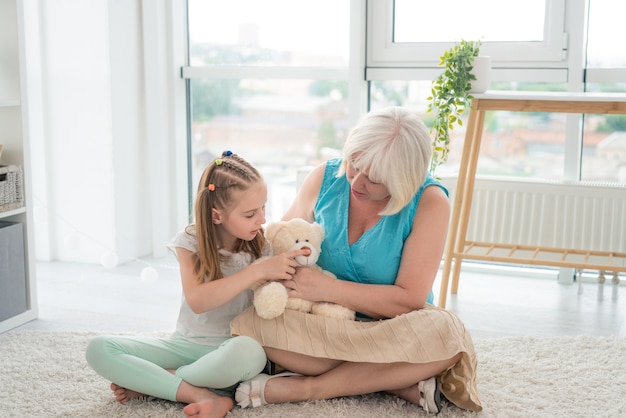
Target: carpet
[44, 374]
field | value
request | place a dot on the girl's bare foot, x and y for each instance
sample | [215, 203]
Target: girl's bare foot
[123, 395]
[212, 407]
[202, 403]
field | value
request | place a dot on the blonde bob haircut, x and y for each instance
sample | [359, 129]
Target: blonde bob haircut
[392, 145]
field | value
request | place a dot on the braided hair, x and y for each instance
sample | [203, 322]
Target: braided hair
[224, 175]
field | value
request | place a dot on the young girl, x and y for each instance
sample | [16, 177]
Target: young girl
[217, 263]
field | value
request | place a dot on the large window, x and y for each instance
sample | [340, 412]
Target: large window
[547, 48]
[283, 91]
[270, 86]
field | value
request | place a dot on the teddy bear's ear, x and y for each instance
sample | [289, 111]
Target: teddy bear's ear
[272, 229]
[319, 230]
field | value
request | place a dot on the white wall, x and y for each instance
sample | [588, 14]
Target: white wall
[108, 168]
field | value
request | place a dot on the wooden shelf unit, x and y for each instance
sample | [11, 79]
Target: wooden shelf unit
[457, 248]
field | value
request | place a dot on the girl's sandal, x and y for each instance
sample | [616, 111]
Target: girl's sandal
[250, 392]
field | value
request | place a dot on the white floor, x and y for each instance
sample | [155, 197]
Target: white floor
[81, 297]
[89, 297]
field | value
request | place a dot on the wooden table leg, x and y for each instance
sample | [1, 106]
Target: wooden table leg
[458, 199]
[468, 191]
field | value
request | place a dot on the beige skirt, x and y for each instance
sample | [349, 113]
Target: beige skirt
[423, 336]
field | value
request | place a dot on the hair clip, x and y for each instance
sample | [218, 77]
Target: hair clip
[211, 187]
[228, 153]
[218, 161]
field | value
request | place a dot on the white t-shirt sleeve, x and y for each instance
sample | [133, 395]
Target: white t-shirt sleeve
[184, 239]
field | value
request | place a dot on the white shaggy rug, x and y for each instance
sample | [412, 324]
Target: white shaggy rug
[44, 374]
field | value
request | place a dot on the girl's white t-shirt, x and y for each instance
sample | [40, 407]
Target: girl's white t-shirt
[211, 327]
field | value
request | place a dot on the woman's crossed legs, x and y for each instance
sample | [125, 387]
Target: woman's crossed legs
[327, 378]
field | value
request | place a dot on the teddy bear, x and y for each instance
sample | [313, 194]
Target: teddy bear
[270, 297]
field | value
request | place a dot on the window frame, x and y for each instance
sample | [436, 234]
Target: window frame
[561, 60]
[382, 52]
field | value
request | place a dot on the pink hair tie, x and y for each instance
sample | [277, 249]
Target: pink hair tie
[211, 187]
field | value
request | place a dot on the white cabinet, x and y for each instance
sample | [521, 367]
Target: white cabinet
[18, 297]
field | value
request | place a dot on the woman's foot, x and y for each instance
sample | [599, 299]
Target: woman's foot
[251, 393]
[212, 407]
[430, 395]
[425, 394]
[123, 395]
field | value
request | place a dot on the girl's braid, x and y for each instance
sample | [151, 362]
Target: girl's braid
[215, 191]
[241, 166]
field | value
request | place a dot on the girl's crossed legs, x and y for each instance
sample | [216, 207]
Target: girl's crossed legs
[174, 369]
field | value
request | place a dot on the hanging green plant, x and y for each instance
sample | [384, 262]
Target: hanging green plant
[450, 96]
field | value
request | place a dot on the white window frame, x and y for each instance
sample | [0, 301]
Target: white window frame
[515, 57]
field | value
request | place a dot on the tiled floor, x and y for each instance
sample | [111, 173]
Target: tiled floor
[79, 297]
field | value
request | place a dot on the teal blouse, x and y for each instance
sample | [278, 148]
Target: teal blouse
[375, 257]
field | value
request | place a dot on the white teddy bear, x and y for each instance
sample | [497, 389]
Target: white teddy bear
[270, 297]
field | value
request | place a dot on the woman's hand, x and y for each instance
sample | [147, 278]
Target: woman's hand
[310, 284]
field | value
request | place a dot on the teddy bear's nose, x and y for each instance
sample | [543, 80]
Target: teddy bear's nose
[307, 251]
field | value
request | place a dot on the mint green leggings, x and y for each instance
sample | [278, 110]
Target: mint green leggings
[142, 363]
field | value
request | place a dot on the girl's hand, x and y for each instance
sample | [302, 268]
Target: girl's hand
[281, 266]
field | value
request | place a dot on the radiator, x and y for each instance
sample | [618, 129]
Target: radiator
[576, 215]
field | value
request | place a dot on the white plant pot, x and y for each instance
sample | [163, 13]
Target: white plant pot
[482, 71]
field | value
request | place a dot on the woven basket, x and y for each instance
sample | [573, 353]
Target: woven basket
[11, 187]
